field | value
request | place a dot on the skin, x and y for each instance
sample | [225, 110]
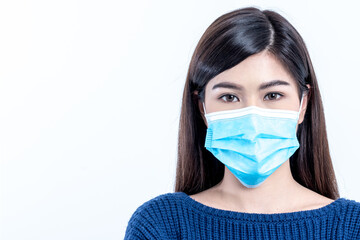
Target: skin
[279, 193]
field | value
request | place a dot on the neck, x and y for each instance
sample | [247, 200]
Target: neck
[278, 190]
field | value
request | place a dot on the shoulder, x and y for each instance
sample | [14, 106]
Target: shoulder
[159, 204]
[350, 208]
[350, 211]
[147, 222]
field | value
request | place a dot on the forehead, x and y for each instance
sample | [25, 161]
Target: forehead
[254, 71]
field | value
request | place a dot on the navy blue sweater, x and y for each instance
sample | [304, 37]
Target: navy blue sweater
[178, 216]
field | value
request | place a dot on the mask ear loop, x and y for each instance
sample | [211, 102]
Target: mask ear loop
[301, 103]
[203, 103]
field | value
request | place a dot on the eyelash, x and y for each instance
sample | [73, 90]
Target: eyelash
[278, 94]
[228, 95]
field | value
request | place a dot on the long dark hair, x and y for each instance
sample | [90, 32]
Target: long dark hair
[230, 39]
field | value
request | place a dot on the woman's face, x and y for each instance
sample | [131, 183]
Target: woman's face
[260, 80]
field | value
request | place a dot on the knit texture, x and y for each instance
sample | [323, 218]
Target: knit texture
[178, 216]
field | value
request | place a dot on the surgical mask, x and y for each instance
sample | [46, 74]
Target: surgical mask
[252, 142]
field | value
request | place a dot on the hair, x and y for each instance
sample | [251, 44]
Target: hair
[229, 40]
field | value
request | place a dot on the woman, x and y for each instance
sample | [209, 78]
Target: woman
[253, 156]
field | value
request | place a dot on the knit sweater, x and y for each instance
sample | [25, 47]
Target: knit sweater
[178, 216]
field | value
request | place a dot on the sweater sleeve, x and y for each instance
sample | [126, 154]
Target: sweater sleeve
[356, 232]
[142, 224]
[356, 229]
[353, 223]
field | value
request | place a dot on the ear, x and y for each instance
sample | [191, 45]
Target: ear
[304, 105]
[200, 106]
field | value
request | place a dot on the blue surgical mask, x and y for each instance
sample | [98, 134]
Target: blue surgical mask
[252, 142]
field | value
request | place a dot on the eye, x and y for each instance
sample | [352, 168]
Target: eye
[229, 98]
[273, 96]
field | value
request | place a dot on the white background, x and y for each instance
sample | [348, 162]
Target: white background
[90, 94]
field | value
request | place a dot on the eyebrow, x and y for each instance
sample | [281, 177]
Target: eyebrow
[227, 85]
[273, 83]
[262, 86]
